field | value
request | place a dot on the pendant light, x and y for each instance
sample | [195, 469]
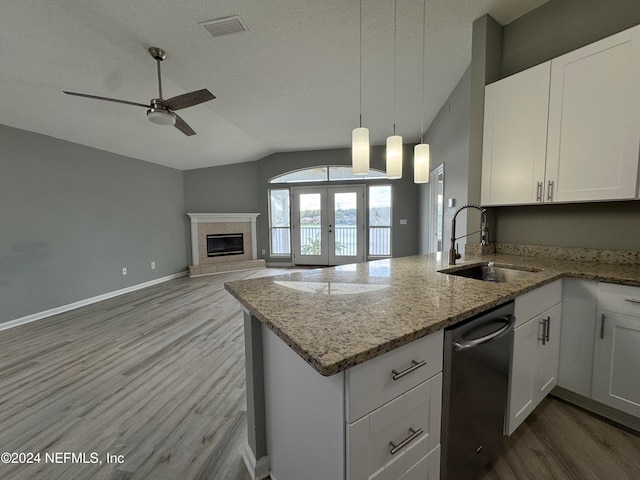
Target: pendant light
[360, 135]
[421, 155]
[394, 142]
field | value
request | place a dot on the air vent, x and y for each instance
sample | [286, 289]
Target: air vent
[224, 26]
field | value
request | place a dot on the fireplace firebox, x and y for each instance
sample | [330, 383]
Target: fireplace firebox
[225, 244]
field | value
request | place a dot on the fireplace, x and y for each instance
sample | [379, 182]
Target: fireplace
[225, 244]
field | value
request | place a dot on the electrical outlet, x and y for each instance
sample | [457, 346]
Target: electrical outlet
[124, 270]
[153, 265]
[264, 251]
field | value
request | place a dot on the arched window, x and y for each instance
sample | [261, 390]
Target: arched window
[327, 173]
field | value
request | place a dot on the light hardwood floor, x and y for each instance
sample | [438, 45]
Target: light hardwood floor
[157, 376]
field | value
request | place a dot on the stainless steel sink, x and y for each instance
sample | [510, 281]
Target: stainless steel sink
[490, 273]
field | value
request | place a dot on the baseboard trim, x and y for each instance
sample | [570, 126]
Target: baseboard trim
[610, 413]
[258, 470]
[87, 301]
[280, 264]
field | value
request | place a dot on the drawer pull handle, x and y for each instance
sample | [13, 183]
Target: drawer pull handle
[631, 300]
[414, 366]
[602, 320]
[413, 434]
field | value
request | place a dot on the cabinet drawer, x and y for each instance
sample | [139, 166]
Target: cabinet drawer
[426, 469]
[414, 414]
[371, 384]
[537, 301]
[619, 299]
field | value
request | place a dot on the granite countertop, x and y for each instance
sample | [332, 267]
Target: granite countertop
[335, 318]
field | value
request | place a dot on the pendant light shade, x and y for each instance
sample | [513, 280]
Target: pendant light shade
[360, 150]
[394, 157]
[421, 163]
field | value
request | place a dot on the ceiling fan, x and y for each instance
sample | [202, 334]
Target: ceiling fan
[159, 110]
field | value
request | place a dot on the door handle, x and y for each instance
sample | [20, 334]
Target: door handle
[539, 192]
[543, 338]
[548, 327]
[509, 322]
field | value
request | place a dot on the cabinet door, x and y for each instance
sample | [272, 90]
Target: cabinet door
[522, 381]
[515, 137]
[548, 351]
[616, 366]
[594, 121]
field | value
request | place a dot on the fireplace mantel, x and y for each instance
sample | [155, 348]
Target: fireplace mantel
[197, 218]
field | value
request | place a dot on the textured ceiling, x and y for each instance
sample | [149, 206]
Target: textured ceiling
[291, 82]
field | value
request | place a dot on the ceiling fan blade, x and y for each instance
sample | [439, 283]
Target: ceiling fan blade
[183, 126]
[188, 99]
[126, 102]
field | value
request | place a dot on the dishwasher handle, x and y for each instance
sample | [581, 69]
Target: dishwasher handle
[510, 321]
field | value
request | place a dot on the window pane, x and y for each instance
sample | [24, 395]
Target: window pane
[310, 224]
[346, 173]
[280, 241]
[279, 221]
[279, 203]
[346, 215]
[380, 206]
[379, 241]
[326, 173]
[318, 174]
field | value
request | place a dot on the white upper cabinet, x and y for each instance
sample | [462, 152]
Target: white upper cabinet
[594, 121]
[515, 137]
[567, 130]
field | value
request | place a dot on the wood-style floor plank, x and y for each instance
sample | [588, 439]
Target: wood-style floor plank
[157, 376]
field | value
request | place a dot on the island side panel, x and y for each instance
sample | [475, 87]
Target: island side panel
[255, 455]
[305, 416]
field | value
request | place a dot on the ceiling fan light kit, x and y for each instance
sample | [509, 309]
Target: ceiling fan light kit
[159, 110]
[161, 116]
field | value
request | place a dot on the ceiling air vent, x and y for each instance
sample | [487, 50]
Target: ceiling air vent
[224, 26]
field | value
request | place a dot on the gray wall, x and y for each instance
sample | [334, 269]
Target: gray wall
[225, 189]
[448, 139]
[553, 29]
[72, 216]
[244, 187]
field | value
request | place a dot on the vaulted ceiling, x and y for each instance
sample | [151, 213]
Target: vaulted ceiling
[290, 82]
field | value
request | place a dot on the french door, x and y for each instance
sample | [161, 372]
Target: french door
[328, 225]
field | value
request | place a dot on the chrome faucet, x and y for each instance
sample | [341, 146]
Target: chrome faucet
[453, 251]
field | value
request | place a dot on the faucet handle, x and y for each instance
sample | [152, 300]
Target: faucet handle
[458, 252]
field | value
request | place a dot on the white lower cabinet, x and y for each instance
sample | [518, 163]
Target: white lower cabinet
[616, 365]
[379, 420]
[388, 442]
[536, 346]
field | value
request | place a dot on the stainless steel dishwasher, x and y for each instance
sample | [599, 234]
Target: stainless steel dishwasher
[477, 356]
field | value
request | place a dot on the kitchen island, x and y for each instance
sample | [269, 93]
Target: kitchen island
[338, 318]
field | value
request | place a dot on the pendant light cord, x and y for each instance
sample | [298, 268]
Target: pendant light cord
[424, 36]
[395, 22]
[360, 63]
